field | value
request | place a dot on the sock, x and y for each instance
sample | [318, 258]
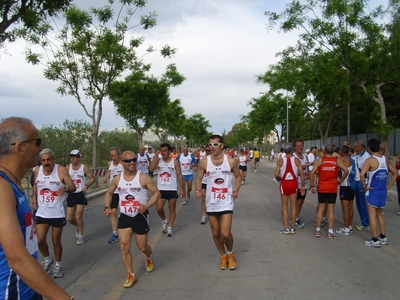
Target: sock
[318, 229]
[115, 232]
[382, 236]
[58, 264]
[148, 258]
[350, 227]
[229, 252]
[81, 236]
[47, 259]
[375, 239]
[330, 230]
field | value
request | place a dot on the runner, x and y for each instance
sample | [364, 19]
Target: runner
[188, 163]
[242, 160]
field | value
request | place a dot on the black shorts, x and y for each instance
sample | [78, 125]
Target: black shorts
[327, 198]
[204, 186]
[299, 196]
[140, 223]
[76, 199]
[114, 201]
[36, 297]
[243, 168]
[347, 193]
[55, 222]
[219, 213]
[168, 195]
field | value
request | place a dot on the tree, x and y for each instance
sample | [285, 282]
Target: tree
[29, 15]
[87, 55]
[356, 36]
[196, 130]
[142, 99]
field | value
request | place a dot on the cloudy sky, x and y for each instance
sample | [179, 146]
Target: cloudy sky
[222, 45]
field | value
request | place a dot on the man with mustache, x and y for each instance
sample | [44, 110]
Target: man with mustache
[52, 184]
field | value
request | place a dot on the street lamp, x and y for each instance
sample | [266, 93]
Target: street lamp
[287, 117]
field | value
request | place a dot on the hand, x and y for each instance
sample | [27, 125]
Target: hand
[302, 191]
[61, 191]
[235, 194]
[312, 190]
[142, 208]
[182, 193]
[198, 193]
[32, 205]
[107, 212]
[105, 179]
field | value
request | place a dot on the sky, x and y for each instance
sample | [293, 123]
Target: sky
[222, 46]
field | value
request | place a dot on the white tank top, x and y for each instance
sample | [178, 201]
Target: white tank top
[242, 160]
[50, 205]
[167, 176]
[131, 195]
[114, 171]
[143, 163]
[219, 186]
[186, 162]
[78, 177]
[303, 161]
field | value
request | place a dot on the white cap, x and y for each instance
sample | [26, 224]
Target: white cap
[75, 152]
[307, 150]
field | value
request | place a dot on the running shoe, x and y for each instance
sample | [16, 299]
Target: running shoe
[242, 182]
[299, 224]
[184, 202]
[130, 281]
[170, 233]
[324, 221]
[255, 171]
[203, 220]
[292, 230]
[47, 265]
[332, 235]
[363, 228]
[149, 264]
[58, 271]
[343, 231]
[80, 240]
[398, 213]
[371, 243]
[317, 233]
[164, 225]
[188, 196]
[76, 233]
[284, 231]
[224, 262]
[113, 238]
[232, 265]
[383, 241]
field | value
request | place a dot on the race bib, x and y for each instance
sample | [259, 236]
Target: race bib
[186, 166]
[129, 207]
[165, 178]
[78, 183]
[218, 194]
[48, 198]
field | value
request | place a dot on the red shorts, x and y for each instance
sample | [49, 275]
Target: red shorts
[288, 187]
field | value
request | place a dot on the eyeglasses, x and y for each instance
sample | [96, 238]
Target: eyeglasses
[38, 141]
[214, 144]
[208, 150]
[129, 160]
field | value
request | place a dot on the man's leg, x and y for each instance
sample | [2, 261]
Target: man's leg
[285, 214]
[125, 236]
[331, 216]
[216, 233]
[41, 234]
[293, 209]
[56, 233]
[189, 187]
[172, 211]
[79, 218]
[160, 208]
[203, 207]
[71, 215]
[114, 219]
[372, 213]
[381, 221]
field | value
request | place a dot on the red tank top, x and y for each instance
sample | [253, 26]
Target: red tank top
[328, 173]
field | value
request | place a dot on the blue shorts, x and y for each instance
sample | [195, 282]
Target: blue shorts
[256, 159]
[377, 199]
[187, 177]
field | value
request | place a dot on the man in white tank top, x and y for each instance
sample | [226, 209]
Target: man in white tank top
[76, 201]
[143, 161]
[134, 203]
[151, 156]
[169, 173]
[218, 169]
[52, 183]
[114, 169]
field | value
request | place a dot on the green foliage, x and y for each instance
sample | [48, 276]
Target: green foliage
[21, 18]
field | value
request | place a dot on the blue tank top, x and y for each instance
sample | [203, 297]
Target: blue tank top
[11, 286]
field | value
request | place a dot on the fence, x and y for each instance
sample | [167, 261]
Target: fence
[393, 141]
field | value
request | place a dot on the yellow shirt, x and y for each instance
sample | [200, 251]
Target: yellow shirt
[256, 154]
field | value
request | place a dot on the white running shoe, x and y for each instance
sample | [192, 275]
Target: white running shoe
[164, 225]
[47, 265]
[170, 233]
[80, 241]
[203, 220]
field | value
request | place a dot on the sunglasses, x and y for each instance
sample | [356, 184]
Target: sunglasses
[208, 150]
[129, 160]
[38, 141]
[214, 144]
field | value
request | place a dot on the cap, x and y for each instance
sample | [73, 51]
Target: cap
[307, 150]
[75, 152]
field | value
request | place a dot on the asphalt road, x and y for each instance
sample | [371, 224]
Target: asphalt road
[270, 265]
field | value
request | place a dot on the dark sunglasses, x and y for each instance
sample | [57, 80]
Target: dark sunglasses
[38, 141]
[129, 160]
[208, 150]
[214, 144]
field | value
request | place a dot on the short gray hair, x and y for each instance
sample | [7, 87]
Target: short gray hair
[47, 151]
[12, 130]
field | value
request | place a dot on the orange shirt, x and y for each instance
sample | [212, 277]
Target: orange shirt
[328, 173]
